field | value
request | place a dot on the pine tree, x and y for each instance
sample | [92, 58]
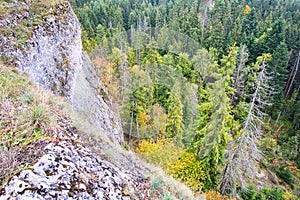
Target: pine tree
[211, 148]
[278, 68]
[274, 36]
[175, 117]
[250, 32]
[216, 38]
[216, 121]
[249, 24]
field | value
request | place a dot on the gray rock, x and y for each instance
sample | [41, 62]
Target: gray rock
[53, 59]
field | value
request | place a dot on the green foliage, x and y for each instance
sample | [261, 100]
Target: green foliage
[125, 146]
[188, 169]
[251, 193]
[88, 44]
[222, 101]
[212, 134]
[174, 122]
[290, 147]
[287, 195]
[38, 115]
[162, 152]
[285, 174]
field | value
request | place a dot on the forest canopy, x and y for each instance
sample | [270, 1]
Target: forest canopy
[212, 82]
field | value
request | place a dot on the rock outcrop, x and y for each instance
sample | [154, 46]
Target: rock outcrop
[69, 170]
[48, 48]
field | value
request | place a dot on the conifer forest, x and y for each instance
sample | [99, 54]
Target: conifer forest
[208, 90]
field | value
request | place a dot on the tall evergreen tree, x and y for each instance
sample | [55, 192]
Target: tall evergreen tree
[175, 117]
[274, 36]
[213, 133]
[278, 68]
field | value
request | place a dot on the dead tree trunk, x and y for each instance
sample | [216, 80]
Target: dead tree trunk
[245, 153]
[292, 77]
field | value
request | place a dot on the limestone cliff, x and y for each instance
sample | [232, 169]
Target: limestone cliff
[44, 40]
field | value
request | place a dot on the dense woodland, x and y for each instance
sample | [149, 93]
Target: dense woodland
[208, 90]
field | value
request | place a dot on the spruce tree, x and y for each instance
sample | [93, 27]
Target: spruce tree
[278, 69]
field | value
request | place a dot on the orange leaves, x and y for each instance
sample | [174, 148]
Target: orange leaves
[107, 74]
[126, 192]
[247, 10]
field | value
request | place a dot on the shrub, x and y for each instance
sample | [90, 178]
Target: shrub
[188, 169]
[212, 195]
[162, 153]
[288, 196]
[251, 193]
[276, 194]
[285, 174]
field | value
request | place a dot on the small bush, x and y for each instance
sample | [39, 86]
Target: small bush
[161, 153]
[289, 196]
[125, 146]
[188, 169]
[251, 193]
[212, 195]
[38, 114]
[286, 175]
[276, 194]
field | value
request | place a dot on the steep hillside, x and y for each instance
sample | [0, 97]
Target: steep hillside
[45, 152]
[45, 156]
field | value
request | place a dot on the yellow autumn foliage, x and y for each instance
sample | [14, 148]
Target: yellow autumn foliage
[212, 195]
[188, 169]
[143, 119]
[287, 195]
[162, 152]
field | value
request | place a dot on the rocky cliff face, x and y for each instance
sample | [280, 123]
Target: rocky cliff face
[44, 40]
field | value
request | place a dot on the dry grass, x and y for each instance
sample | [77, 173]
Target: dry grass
[27, 119]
